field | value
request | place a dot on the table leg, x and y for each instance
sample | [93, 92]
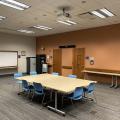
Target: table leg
[55, 108]
[112, 82]
[116, 82]
[20, 88]
[51, 92]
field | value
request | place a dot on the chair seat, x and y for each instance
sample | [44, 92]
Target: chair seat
[29, 88]
[87, 90]
[74, 98]
[38, 92]
[26, 89]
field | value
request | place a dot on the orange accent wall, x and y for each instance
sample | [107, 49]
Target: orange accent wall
[102, 43]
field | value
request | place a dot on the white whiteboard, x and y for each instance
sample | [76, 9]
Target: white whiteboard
[8, 59]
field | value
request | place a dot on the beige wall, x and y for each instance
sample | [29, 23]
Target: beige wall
[102, 43]
[19, 43]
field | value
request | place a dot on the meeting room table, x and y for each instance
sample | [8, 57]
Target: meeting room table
[58, 84]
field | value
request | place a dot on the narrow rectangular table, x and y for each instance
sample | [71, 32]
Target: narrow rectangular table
[114, 75]
[60, 84]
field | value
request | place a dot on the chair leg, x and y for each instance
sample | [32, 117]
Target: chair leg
[32, 96]
[71, 101]
[19, 86]
[95, 99]
[84, 95]
[28, 94]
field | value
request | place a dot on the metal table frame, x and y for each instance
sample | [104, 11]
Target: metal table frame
[55, 109]
[114, 77]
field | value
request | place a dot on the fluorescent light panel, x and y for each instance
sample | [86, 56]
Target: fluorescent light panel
[98, 14]
[107, 12]
[42, 27]
[71, 22]
[67, 22]
[10, 5]
[102, 13]
[2, 18]
[14, 4]
[25, 31]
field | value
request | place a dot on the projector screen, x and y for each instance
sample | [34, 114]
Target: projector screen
[8, 59]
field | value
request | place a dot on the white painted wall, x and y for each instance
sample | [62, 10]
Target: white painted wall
[19, 43]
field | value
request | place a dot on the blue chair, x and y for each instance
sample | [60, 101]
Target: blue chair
[72, 76]
[90, 90]
[33, 73]
[55, 73]
[16, 75]
[26, 88]
[38, 90]
[76, 95]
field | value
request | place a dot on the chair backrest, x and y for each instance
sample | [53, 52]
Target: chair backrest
[25, 84]
[55, 73]
[17, 75]
[38, 87]
[91, 87]
[72, 76]
[33, 73]
[78, 92]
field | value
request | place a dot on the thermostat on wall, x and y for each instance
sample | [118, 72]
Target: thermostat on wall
[91, 60]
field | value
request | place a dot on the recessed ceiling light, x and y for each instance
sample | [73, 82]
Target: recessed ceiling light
[98, 14]
[42, 27]
[67, 22]
[25, 31]
[63, 22]
[14, 4]
[107, 12]
[102, 13]
[71, 22]
[2, 18]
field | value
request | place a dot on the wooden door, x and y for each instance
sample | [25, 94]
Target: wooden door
[57, 60]
[78, 61]
[67, 61]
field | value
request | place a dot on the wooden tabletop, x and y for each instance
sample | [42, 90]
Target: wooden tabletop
[59, 83]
